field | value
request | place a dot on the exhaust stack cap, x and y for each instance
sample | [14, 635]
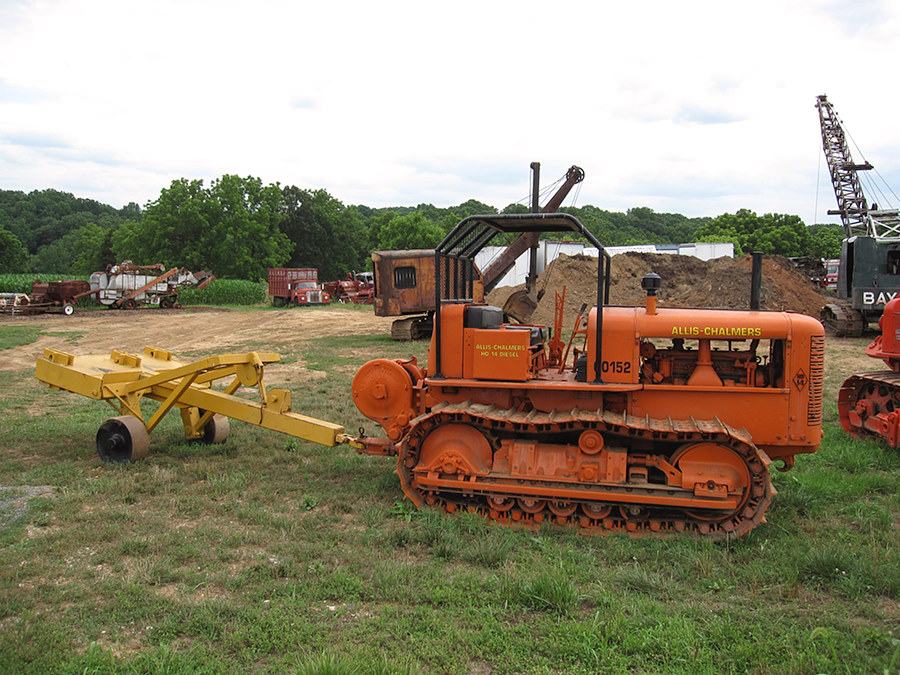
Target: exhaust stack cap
[651, 283]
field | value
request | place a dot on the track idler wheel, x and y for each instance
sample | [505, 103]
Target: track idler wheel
[122, 439]
[717, 467]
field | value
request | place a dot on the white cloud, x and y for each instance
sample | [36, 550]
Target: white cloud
[697, 108]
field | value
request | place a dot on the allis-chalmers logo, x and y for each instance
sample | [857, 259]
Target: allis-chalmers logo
[800, 379]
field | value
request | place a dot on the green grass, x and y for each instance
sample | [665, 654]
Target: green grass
[16, 336]
[269, 554]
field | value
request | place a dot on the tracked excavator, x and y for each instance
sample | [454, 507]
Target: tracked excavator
[869, 273]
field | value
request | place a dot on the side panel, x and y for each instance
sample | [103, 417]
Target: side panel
[870, 276]
[497, 354]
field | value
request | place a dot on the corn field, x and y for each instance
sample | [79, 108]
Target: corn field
[226, 292]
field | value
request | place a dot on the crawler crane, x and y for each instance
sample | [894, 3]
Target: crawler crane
[869, 272]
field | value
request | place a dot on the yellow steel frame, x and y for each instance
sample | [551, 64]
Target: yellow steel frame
[123, 379]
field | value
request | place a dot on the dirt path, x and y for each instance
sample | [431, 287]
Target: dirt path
[185, 330]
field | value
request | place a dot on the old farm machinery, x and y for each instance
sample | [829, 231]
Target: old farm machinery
[869, 403]
[123, 380]
[656, 421]
[667, 420]
[127, 286]
[46, 296]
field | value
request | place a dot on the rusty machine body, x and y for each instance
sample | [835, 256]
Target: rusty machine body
[663, 420]
[46, 296]
[404, 279]
[404, 287]
[869, 403]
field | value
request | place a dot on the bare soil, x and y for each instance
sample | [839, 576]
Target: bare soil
[187, 330]
[686, 282]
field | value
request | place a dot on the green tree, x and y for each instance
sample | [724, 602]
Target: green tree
[245, 236]
[825, 240]
[771, 233]
[230, 228]
[409, 231]
[325, 234]
[80, 252]
[42, 217]
[13, 254]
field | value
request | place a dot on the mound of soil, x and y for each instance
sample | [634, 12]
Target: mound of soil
[686, 282]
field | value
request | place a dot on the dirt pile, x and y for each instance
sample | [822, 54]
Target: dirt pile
[686, 282]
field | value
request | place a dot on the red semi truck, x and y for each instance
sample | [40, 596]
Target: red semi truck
[296, 286]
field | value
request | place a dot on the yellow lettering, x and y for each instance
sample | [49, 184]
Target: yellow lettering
[716, 332]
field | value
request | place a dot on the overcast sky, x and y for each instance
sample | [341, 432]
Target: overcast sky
[699, 108]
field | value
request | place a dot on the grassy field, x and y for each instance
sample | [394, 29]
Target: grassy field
[267, 554]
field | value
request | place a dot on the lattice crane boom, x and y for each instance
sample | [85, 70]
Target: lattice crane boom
[857, 215]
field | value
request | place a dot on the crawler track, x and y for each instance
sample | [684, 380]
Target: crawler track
[411, 328]
[658, 505]
[869, 406]
[841, 320]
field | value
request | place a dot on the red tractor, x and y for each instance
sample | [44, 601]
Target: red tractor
[869, 403]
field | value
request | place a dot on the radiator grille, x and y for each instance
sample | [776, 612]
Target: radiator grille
[816, 379]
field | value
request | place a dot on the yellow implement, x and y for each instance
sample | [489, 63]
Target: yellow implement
[123, 379]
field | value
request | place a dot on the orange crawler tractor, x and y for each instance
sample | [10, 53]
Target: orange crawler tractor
[662, 421]
[869, 403]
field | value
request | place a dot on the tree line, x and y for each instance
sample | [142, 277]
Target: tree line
[238, 227]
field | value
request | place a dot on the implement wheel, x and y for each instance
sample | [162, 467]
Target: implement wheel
[216, 430]
[122, 439]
